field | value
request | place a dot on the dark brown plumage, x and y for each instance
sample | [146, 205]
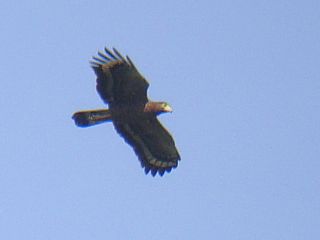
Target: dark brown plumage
[124, 89]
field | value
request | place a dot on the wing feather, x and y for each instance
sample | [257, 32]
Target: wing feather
[120, 56]
[152, 143]
[102, 55]
[118, 80]
[110, 53]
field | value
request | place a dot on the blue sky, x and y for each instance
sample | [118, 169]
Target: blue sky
[243, 78]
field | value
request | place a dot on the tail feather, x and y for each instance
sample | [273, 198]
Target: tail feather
[91, 117]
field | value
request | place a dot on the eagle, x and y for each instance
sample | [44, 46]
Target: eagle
[134, 116]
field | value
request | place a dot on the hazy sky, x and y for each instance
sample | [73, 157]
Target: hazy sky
[243, 78]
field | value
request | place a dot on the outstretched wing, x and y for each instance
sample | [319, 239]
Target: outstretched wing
[118, 80]
[151, 142]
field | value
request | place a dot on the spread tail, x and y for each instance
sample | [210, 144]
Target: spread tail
[91, 117]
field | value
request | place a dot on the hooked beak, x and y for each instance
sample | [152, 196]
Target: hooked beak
[167, 108]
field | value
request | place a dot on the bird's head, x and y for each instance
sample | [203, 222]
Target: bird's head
[157, 107]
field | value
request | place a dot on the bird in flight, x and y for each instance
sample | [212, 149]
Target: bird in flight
[134, 116]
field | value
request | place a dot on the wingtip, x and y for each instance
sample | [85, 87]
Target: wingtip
[109, 52]
[119, 55]
[130, 62]
[161, 172]
[146, 170]
[102, 55]
[153, 172]
[94, 64]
